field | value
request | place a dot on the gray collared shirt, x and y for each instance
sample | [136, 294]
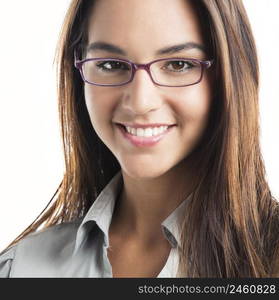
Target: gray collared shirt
[79, 249]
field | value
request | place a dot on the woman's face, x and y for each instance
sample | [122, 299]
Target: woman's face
[140, 29]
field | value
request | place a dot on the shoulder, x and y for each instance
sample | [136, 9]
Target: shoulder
[6, 259]
[56, 233]
[55, 236]
[40, 246]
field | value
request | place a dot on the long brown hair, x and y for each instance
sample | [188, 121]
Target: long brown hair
[231, 227]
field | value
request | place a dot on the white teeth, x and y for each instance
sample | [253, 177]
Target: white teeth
[133, 130]
[147, 132]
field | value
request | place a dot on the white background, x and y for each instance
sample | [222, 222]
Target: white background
[31, 160]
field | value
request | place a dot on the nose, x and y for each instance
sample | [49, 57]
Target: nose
[141, 95]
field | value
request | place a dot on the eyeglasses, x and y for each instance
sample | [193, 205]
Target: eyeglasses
[170, 72]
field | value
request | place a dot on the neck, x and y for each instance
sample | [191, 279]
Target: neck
[144, 204]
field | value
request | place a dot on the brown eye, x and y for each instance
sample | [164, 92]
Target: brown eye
[178, 65]
[110, 66]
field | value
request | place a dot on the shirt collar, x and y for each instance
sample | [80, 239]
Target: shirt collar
[101, 212]
[171, 226]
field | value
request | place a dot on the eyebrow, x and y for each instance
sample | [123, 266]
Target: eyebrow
[166, 50]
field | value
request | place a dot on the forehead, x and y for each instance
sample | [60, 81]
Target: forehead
[145, 25]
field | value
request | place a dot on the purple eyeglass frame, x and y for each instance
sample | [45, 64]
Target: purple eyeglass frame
[205, 64]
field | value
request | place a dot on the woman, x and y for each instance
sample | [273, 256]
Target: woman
[164, 176]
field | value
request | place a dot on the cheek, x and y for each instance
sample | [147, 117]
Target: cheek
[193, 109]
[193, 105]
[99, 106]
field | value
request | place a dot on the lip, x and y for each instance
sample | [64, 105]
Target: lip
[141, 141]
[137, 125]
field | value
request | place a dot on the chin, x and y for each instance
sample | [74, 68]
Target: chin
[144, 173]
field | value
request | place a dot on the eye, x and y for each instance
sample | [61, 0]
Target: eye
[112, 65]
[178, 65]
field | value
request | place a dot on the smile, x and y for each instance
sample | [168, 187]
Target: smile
[146, 132]
[144, 137]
